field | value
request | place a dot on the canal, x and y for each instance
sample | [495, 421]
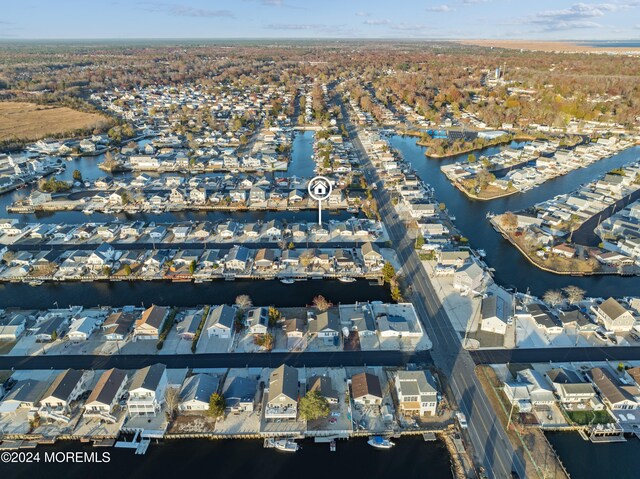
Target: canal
[411, 458]
[512, 269]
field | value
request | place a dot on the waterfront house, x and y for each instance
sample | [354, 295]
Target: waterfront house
[371, 255]
[24, 394]
[81, 328]
[12, 325]
[365, 389]
[118, 325]
[157, 233]
[147, 391]
[360, 317]
[239, 394]
[569, 386]
[237, 258]
[294, 327]
[189, 325]
[282, 395]
[452, 258]
[538, 390]
[396, 320]
[258, 320]
[52, 328]
[106, 394]
[614, 316]
[544, 318]
[198, 196]
[322, 385]
[66, 387]
[196, 392]
[614, 394]
[573, 316]
[150, 323]
[417, 392]
[494, 314]
[220, 321]
[264, 258]
[564, 249]
[469, 277]
[326, 325]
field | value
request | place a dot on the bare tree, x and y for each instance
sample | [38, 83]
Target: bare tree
[172, 399]
[553, 297]
[574, 294]
[243, 302]
[509, 221]
[321, 303]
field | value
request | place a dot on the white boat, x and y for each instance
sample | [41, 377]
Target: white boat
[346, 279]
[285, 445]
[380, 442]
[287, 281]
[87, 211]
[35, 283]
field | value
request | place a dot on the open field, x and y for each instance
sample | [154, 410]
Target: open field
[28, 121]
[542, 46]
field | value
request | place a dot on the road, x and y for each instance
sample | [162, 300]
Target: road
[220, 360]
[487, 435]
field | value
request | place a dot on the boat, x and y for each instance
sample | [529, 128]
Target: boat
[380, 442]
[346, 279]
[287, 281]
[87, 211]
[35, 283]
[353, 209]
[482, 253]
[284, 445]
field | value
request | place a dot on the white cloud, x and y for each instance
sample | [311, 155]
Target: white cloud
[440, 8]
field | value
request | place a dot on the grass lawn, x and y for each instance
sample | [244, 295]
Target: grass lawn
[584, 418]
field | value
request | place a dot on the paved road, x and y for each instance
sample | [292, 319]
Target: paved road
[487, 435]
[221, 360]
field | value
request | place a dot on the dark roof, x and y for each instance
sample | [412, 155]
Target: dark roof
[283, 380]
[64, 384]
[239, 389]
[564, 376]
[107, 386]
[199, 387]
[365, 383]
[322, 384]
[148, 378]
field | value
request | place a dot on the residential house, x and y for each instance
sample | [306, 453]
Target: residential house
[417, 392]
[569, 386]
[469, 277]
[12, 326]
[322, 385]
[494, 314]
[326, 325]
[196, 392]
[239, 394]
[118, 325]
[81, 328]
[147, 391]
[613, 393]
[614, 316]
[258, 320]
[371, 255]
[188, 327]
[282, 395]
[365, 389]
[66, 387]
[150, 323]
[220, 321]
[360, 317]
[237, 258]
[106, 394]
[24, 394]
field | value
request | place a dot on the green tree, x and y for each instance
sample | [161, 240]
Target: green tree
[192, 267]
[127, 270]
[216, 405]
[419, 242]
[106, 270]
[313, 406]
[77, 175]
[274, 315]
[388, 272]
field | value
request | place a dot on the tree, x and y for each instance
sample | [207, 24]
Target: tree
[396, 294]
[265, 340]
[574, 294]
[419, 242]
[106, 270]
[553, 297]
[321, 303]
[127, 270]
[243, 302]
[313, 406]
[471, 158]
[216, 405]
[509, 221]
[77, 175]
[172, 399]
[274, 316]
[192, 267]
[388, 272]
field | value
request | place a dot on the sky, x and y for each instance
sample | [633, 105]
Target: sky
[427, 19]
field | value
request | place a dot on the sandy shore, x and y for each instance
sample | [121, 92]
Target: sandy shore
[543, 46]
